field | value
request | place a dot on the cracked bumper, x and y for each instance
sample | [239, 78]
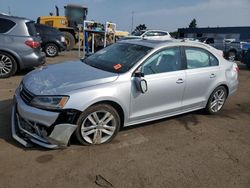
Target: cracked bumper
[30, 126]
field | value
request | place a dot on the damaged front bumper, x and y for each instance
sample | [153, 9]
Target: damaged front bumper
[35, 126]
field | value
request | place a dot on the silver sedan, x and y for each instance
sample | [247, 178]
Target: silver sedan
[127, 83]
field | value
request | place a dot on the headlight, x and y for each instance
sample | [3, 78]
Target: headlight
[62, 39]
[50, 102]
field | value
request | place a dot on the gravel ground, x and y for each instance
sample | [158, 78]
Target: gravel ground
[190, 150]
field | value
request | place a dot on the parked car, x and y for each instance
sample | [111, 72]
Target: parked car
[53, 40]
[149, 34]
[246, 59]
[232, 49]
[20, 47]
[126, 83]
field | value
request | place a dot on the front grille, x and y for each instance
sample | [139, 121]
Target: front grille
[26, 95]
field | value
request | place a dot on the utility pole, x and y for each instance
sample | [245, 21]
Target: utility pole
[9, 12]
[132, 25]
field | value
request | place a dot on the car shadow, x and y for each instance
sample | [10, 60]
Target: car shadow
[24, 71]
[186, 120]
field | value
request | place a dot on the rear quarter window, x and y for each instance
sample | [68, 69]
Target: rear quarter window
[31, 29]
[199, 58]
[6, 25]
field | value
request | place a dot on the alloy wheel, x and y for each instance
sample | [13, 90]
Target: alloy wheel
[217, 100]
[51, 50]
[6, 65]
[98, 127]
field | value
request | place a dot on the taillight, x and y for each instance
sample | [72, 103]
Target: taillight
[32, 44]
[236, 68]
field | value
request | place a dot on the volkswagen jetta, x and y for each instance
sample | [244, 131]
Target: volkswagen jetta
[127, 83]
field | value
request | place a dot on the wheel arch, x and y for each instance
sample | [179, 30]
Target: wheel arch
[51, 42]
[116, 106]
[15, 56]
[224, 85]
[220, 84]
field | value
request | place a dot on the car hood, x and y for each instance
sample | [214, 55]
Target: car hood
[62, 78]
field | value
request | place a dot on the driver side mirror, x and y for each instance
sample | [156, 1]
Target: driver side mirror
[141, 84]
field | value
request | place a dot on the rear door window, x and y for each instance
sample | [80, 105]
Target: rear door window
[31, 28]
[199, 58]
[6, 25]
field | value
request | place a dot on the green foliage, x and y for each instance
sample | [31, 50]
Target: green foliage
[140, 27]
[174, 34]
[193, 24]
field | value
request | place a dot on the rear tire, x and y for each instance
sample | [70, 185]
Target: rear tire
[51, 50]
[97, 125]
[216, 100]
[70, 40]
[232, 55]
[8, 65]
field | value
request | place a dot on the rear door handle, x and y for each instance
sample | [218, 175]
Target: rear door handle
[180, 81]
[212, 76]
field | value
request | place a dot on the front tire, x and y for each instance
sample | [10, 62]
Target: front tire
[216, 100]
[8, 65]
[99, 124]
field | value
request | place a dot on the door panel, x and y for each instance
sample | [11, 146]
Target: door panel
[201, 76]
[163, 97]
[198, 84]
[166, 82]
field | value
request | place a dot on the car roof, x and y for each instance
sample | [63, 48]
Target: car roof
[156, 30]
[146, 42]
[162, 43]
[6, 16]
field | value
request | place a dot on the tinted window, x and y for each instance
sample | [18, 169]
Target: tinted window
[118, 57]
[198, 58]
[6, 25]
[159, 33]
[137, 33]
[164, 61]
[151, 34]
[47, 30]
[31, 28]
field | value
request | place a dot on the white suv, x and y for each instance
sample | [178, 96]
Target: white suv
[149, 34]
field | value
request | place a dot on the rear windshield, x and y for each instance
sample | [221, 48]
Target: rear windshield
[46, 30]
[6, 25]
[31, 28]
[118, 57]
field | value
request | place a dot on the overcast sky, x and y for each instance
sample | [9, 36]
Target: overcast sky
[156, 14]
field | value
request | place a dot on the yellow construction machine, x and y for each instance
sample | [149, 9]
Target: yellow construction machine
[71, 24]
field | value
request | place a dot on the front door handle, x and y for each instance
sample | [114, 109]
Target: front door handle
[212, 76]
[180, 81]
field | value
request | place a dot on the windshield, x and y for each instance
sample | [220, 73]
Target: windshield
[137, 33]
[117, 58]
